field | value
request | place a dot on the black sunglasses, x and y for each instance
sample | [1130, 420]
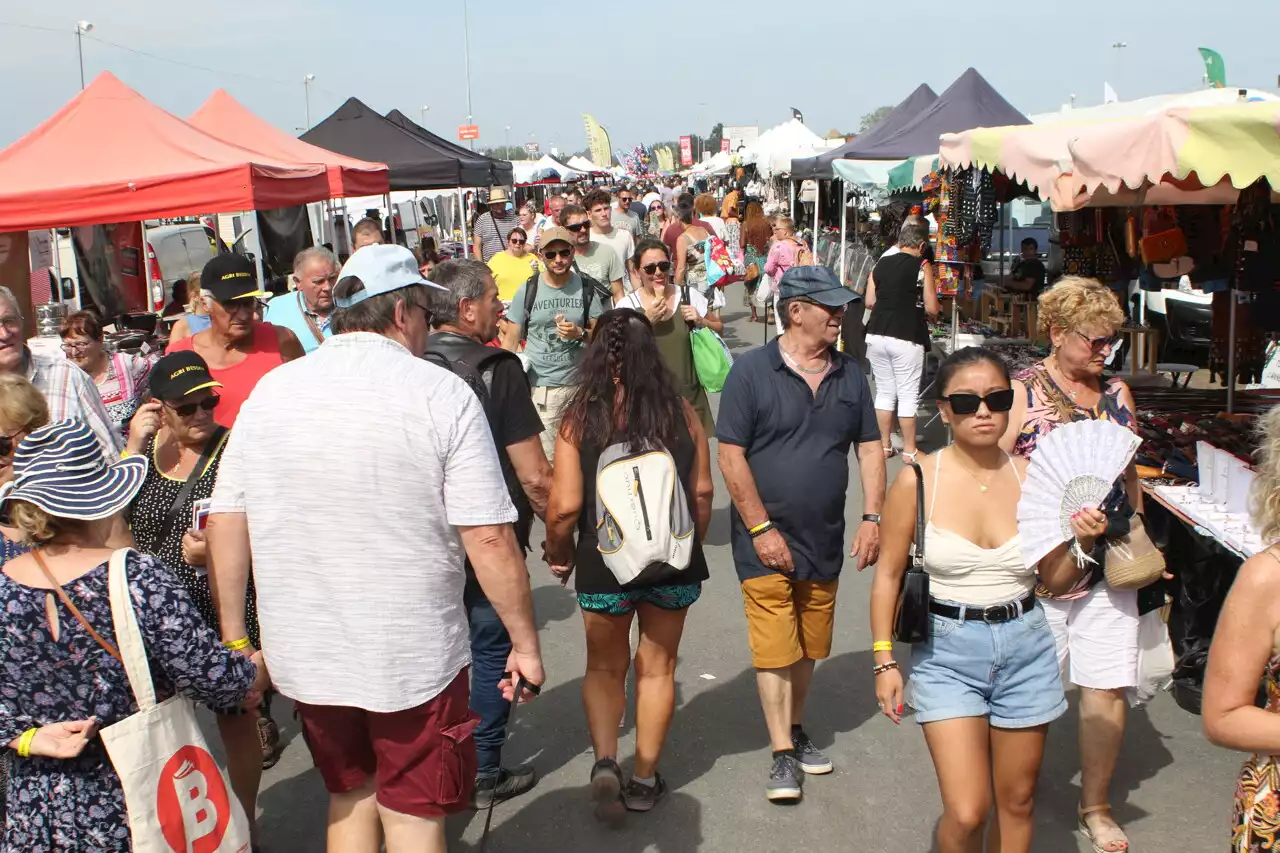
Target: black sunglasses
[650, 269]
[1102, 343]
[552, 254]
[626, 200]
[578, 226]
[516, 241]
[967, 404]
[7, 443]
[188, 409]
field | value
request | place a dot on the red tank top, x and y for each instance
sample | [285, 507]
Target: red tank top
[240, 379]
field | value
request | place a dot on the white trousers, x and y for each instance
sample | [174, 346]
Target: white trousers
[896, 366]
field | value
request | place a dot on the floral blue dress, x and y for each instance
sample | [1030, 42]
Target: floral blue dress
[78, 805]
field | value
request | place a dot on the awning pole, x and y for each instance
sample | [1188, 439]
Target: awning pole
[462, 219]
[817, 199]
[146, 269]
[257, 258]
[791, 205]
[57, 264]
[844, 226]
[1231, 355]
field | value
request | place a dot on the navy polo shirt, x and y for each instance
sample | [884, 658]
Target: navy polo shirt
[797, 445]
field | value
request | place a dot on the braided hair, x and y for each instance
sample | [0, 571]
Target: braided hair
[625, 393]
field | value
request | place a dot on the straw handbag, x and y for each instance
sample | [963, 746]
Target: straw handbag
[1133, 561]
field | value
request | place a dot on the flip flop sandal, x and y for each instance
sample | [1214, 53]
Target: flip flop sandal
[910, 458]
[1100, 844]
[889, 452]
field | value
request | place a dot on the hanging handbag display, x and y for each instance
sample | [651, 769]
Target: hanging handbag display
[911, 619]
[1163, 246]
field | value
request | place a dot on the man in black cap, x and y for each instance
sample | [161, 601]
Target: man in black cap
[237, 338]
[793, 408]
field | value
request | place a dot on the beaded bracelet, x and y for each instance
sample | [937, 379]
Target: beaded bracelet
[884, 667]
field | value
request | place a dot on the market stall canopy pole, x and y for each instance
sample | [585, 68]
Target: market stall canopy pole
[822, 166]
[226, 118]
[110, 155]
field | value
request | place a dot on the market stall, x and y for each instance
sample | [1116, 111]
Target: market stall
[492, 172]
[823, 167]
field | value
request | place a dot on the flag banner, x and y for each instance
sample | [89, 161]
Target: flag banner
[597, 142]
[724, 146]
[1215, 70]
[797, 115]
[686, 151]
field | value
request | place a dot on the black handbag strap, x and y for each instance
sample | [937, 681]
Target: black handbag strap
[917, 547]
[180, 501]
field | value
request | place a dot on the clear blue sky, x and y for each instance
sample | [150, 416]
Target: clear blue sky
[643, 69]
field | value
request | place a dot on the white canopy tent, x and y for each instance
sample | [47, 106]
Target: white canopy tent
[773, 150]
[542, 169]
[720, 164]
[582, 164]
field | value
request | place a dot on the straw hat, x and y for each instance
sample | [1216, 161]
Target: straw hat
[498, 195]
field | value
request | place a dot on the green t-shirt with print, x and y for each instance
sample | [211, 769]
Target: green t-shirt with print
[552, 359]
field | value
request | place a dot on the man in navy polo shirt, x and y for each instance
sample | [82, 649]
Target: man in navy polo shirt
[788, 415]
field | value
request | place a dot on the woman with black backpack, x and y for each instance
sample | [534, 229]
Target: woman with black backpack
[633, 475]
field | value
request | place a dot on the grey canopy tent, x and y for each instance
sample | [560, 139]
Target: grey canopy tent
[493, 172]
[358, 131]
[820, 167]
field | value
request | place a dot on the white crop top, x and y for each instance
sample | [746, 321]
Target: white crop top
[961, 572]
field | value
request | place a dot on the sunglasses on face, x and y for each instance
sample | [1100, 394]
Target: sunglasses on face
[660, 266]
[556, 254]
[1098, 345]
[8, 443]
[516, 241]
[578, 226]
[626, 200]
[967, 404]
[188, 409]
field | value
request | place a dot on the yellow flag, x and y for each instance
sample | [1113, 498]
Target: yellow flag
[597, 142]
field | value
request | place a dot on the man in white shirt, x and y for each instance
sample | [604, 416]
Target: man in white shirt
[358, 554]
[600, 212]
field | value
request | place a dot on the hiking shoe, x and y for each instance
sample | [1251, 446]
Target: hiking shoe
[786, 783]
[503, 785]
[606, 791]
[808, 756]
[641, 798]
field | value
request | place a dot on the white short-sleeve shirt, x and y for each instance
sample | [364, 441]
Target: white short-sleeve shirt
[355, 466]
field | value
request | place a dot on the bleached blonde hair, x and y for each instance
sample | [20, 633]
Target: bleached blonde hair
[1265, 500]
[1075, 302]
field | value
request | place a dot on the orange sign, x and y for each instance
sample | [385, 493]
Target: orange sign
[468, 131]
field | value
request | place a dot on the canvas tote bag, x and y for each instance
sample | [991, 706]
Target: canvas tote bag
[178, 799]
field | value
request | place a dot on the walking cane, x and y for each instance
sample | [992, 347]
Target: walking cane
[521, 686]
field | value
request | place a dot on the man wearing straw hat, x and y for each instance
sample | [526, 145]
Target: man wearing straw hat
[493, 227]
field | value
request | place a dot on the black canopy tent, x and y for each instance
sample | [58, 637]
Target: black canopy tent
[358, 131]
[901, 115]
[967, 103]
[495, 172]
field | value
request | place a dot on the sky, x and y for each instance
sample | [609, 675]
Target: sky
[647, 71]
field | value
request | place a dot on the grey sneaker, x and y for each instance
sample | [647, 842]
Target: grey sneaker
[606, 791]
[807, 755]
[503, 785]
[786, 782]
[642, 798]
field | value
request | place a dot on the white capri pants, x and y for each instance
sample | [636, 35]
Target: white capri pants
[1098, 636]
[896, 366]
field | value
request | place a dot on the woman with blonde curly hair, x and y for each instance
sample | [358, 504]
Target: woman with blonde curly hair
[1095, 627]
[22, 410]
[1245, 651]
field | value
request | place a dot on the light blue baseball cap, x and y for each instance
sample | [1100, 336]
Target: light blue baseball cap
[382, 269]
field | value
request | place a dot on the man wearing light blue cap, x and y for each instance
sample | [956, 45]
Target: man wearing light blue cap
[358, 552]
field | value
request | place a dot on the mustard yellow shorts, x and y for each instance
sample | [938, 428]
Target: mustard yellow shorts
[788, 620]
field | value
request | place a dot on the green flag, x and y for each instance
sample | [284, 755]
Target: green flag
[1214, 68]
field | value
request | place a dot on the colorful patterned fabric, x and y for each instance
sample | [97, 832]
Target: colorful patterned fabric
[1256, 822]
[670, 597]
[70, 393]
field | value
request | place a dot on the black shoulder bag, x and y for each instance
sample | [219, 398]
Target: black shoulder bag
[180, 501]
[911, 620]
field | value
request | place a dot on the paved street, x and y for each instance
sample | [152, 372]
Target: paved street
[1173, 790]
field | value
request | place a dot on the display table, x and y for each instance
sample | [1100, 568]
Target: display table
[1144, 347]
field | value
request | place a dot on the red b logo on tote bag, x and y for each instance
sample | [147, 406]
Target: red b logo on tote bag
[192, 802]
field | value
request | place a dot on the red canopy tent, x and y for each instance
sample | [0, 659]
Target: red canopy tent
[110, 155]
[226, 118]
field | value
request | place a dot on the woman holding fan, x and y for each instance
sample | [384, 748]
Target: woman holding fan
[985, 681]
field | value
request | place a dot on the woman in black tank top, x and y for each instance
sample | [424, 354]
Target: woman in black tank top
[625, 395]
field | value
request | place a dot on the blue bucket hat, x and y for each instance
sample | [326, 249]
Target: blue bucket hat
[60, 469]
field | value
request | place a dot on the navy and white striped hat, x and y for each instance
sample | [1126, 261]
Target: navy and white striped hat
[60, 468]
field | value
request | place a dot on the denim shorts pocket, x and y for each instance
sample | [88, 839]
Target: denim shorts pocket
[1035, 618]
[940, 626]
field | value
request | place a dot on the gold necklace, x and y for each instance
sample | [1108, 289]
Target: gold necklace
[1066, 379]
[981, 485]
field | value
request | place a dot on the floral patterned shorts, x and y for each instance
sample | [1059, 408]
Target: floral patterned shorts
[669, 597]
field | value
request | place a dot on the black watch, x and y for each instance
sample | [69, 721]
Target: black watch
[873, 517]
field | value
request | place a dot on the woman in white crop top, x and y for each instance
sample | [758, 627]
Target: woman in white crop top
[985, 684]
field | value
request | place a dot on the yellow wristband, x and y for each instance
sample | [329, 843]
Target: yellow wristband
[882, 646]
[237, 645]
[761, 526]
[24, 743]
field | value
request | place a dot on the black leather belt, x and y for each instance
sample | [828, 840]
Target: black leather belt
[995, 613]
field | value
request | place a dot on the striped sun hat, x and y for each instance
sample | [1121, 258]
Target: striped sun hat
[60, 469]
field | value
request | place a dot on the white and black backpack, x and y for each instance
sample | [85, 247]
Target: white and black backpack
[645, 529]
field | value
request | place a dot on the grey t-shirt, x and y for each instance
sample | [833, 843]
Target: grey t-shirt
[627, 222]
[601, 262]
[552, 359]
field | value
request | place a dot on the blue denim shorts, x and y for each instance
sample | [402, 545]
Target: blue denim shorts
[1005, 671]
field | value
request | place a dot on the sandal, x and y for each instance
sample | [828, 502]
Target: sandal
[910, 458]
[269, 737]
[889, 452]
[1106, 835]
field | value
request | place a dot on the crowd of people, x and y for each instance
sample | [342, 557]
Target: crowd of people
[271, 485]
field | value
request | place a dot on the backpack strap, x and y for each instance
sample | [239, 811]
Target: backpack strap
[530, 296]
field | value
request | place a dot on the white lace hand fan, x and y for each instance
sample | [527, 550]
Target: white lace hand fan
[1071, 468]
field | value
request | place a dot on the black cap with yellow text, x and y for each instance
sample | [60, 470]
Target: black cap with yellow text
[178, 374]
[228, 277]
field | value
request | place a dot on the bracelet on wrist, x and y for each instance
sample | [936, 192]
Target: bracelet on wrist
[882, 646]
[24, 743]
[880, 669]
[237, 645]
[760, 529]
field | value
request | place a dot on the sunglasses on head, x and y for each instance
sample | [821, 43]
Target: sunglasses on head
[554, 254]
[1099, 344]
[663, 266]
[578, 226]
[186, 410]
[967, 404]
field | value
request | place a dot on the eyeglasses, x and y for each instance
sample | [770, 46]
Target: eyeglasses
[10, 321]
[1098, 345]
[188, 409]
[516, 241]
[8, 443]
[578, 226]
[663, 266]
[625, 200]
[967, 404]
[74, 346]
[554, 254]
[236, 305]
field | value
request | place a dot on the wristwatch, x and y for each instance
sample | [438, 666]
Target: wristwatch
[873, 517]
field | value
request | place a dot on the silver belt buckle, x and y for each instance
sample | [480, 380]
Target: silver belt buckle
[1000, 612]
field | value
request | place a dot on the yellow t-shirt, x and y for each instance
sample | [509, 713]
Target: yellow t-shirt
[509, 272]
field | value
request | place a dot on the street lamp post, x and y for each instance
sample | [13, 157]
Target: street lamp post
[306, 91]
[82, 27]
[508, 130]
[1115, 67]
[425, 110]
[466, 61]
